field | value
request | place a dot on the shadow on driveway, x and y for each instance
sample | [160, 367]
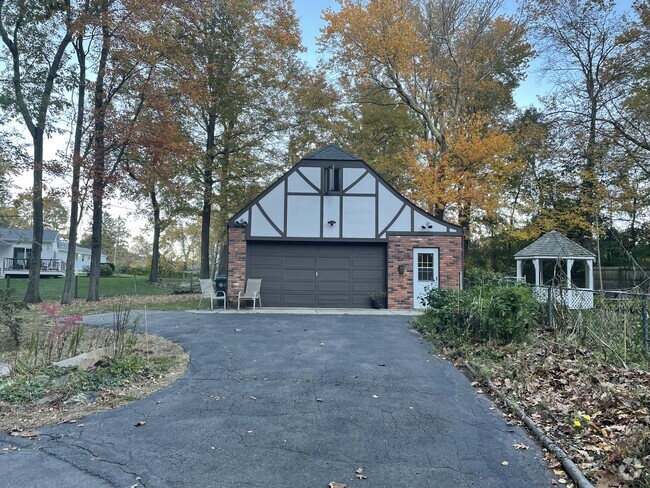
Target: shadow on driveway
[289, 401]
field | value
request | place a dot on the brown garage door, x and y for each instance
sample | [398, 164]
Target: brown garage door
[317, 274]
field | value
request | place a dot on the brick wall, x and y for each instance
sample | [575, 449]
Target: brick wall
[236, 260]
[400, 252]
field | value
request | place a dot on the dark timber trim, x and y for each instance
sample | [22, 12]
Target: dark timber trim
[351, 185]
[269, 220]
[399, 212]
[308, 181]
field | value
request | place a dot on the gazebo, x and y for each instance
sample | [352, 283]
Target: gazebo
[556, 247]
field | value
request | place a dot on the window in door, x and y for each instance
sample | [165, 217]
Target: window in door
[426, 266]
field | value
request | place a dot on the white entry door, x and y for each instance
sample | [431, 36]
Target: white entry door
[425, 272]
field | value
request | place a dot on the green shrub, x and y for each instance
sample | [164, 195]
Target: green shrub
[492, 310]
[106, 269]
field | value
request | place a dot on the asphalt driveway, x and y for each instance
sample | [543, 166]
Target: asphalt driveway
[288, 401]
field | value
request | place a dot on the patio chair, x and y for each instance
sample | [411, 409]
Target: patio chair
[252, 292]
[207, 291]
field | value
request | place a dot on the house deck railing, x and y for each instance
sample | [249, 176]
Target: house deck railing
[12, 264]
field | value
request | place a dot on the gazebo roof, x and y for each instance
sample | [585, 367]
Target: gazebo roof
[554, 245]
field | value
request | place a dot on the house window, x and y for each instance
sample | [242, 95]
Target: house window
[22, 253]
[332, 179]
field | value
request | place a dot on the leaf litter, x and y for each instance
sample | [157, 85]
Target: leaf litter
[598, 413]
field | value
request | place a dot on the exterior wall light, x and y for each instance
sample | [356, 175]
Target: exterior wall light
[400, 269]
[331, 222]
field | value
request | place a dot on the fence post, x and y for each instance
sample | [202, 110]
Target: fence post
[549, 306]
[76, 286]
[8, 282]
[644, 323]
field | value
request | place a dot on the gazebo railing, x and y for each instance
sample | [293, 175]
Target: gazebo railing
[572, 298]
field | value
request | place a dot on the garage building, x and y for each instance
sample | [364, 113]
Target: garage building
[331, 230]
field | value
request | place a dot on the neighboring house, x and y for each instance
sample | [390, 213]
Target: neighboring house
[331, 230]
[16, 253]
[82, 257]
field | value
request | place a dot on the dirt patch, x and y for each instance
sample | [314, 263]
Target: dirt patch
[20, 418]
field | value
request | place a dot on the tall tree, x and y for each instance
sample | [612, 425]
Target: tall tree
[237, 64]
[630, 114]
[35, 35]
[454, 65]
[128, 33]
[81, 52]
[578, 39]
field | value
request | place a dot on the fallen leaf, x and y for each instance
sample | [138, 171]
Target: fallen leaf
[334, 484]
[375, 396]
[319, 400]
[504, 463]
[252, 397]
[358, 473]
[382, 364]
[140, 423]
[562, 481]
[520, 446]
[237, 330]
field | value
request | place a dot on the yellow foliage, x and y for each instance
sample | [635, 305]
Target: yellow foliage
[471, 175]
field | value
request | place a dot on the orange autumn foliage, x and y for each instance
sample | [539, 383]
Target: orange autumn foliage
[469, 177]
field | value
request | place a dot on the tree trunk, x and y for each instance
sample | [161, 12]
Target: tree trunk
[100, 161]
[208, 183]
[33, 295]
[68, 286]
[157, 229]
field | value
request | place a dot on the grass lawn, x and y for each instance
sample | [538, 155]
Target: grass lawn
[51, 288]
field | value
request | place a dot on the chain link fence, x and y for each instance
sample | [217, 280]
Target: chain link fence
[613, 322]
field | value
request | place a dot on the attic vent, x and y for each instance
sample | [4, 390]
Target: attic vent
[332, 179]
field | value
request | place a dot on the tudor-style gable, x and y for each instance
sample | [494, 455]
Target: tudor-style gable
[330, 195]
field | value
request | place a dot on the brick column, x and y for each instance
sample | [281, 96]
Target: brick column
[400, 252]
[236, 260]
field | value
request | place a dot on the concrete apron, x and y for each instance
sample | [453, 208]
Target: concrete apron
[313, 311]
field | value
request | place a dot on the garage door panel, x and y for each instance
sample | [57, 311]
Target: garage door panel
[337, 300]
[365, 287]
[297, 275]
[268, 274]
[266, 260]
[294, 286]
[317, 274]
[334, 275]
[299, 262]
[333, 262]
[364, 261]
[333, 287]
[298, 300]
[367, 274]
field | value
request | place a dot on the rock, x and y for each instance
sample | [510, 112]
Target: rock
[61, 380]
[5, 370]
[83, 398]
[47, 399]
[84, 361]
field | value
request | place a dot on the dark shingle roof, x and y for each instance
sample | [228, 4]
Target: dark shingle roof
[554, 244]
[26, 235]
[332, 152]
